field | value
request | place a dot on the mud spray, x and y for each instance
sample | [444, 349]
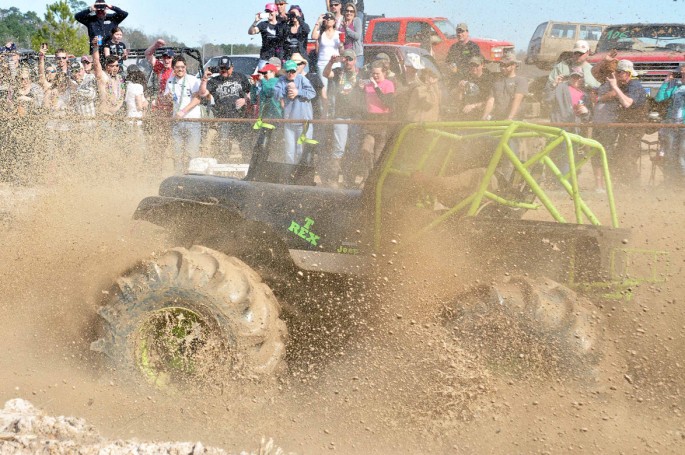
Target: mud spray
[398, 380]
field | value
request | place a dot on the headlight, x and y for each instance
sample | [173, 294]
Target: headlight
[496, 53]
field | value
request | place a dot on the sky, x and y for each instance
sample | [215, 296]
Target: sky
[200, 21]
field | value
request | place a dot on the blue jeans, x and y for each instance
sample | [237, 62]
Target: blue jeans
[187, 137]
[673, 143]
[293, 150]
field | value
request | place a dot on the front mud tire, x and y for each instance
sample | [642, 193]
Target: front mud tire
[527, 324]
[192, 316]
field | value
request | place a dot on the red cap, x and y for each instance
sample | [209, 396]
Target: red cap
[268, 67]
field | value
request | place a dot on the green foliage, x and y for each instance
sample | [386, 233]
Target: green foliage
[60, 30]
[77, 5]
[17, 26]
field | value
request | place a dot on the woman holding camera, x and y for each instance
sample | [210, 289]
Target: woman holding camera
[327, 43]
[272, 31]
[296, 34]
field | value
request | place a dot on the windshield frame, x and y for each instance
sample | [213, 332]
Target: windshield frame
[447, 28]
[641, 37]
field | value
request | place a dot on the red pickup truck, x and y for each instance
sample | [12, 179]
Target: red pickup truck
[435, 34]
[656, 50]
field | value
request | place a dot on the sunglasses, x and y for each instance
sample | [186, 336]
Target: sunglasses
[461, 31]
[61, 58]
[350, 11]
[86, 62]
[301, 63]
[51, 71]
[349, 59]
[291, 71]
[181, 67]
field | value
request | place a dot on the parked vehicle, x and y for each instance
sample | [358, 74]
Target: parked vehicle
[552, 38]
[244, 64]
[435, 34]
[655, 50]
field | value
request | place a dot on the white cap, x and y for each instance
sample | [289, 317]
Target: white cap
[414, 61]
[627, 66]
[581, 46]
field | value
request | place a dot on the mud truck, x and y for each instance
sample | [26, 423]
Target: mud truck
[449, 197]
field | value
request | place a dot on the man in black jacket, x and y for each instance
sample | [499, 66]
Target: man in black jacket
[99, 22]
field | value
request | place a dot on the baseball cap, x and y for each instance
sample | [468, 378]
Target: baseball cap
[100, 4]
[349, 53]
[627, 66]
[290, 65]
[335, 2]
[414, 61]
[581, 46]
[462, 26]
[11, 48]
[225, 62]
[270, 8]
[328, 16]
[275, 61]
[75, 66]
[168, 53]
[382, 56]
[577, 73]
[280, 2]
[297, 57]
[86, 58]
[476, 60]
[268, 67]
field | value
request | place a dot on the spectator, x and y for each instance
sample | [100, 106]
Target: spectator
[620, 99]
[87, 62]
[272, 32]
[461, 52]
[115, 46]
[182, 90]
[136, 104]
[29, 95]
[343, 83]
[353, 30]
[296, 93]
[328, 46]
[335, 8]
[46, 73]
[281, 15]
[506, 96]
[577, 62]
[83, 90]
[99, 22]
[110, 83]
[378, 95]
[269, 105]
[164, 71]
[412, 66]
[673, 139]
[567, 100]
[62, 61]
[472, 93]
[12, 56]
[315, 80]
[229, 92]
[297, 33]
[424, 98]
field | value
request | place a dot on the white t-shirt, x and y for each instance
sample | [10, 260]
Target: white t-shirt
[182, 91]
[133, 90]
[328, 48]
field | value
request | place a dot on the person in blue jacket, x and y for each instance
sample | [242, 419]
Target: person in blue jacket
[672, 139]
[296, 94]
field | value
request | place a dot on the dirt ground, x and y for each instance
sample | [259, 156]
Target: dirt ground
[402, 384]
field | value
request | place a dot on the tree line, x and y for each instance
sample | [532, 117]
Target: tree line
[59, 29]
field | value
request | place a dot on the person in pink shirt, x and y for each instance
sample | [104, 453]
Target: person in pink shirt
[379, 94]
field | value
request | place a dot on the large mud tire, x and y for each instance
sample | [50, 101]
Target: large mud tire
[543, 313]
[192, 315]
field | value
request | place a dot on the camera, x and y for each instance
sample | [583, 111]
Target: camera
[677, 74]
[291, 18]
[213, 69]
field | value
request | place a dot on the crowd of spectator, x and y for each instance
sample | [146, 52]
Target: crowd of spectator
[332, 81]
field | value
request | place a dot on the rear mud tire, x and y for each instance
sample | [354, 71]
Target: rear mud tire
[192, 316]
[526, 323]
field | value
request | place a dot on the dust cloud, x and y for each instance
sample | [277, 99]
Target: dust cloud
[403, 381]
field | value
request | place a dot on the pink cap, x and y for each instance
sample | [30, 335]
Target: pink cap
[270, 7]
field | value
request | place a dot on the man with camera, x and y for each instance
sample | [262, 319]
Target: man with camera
[229, 93]
[99, 22]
